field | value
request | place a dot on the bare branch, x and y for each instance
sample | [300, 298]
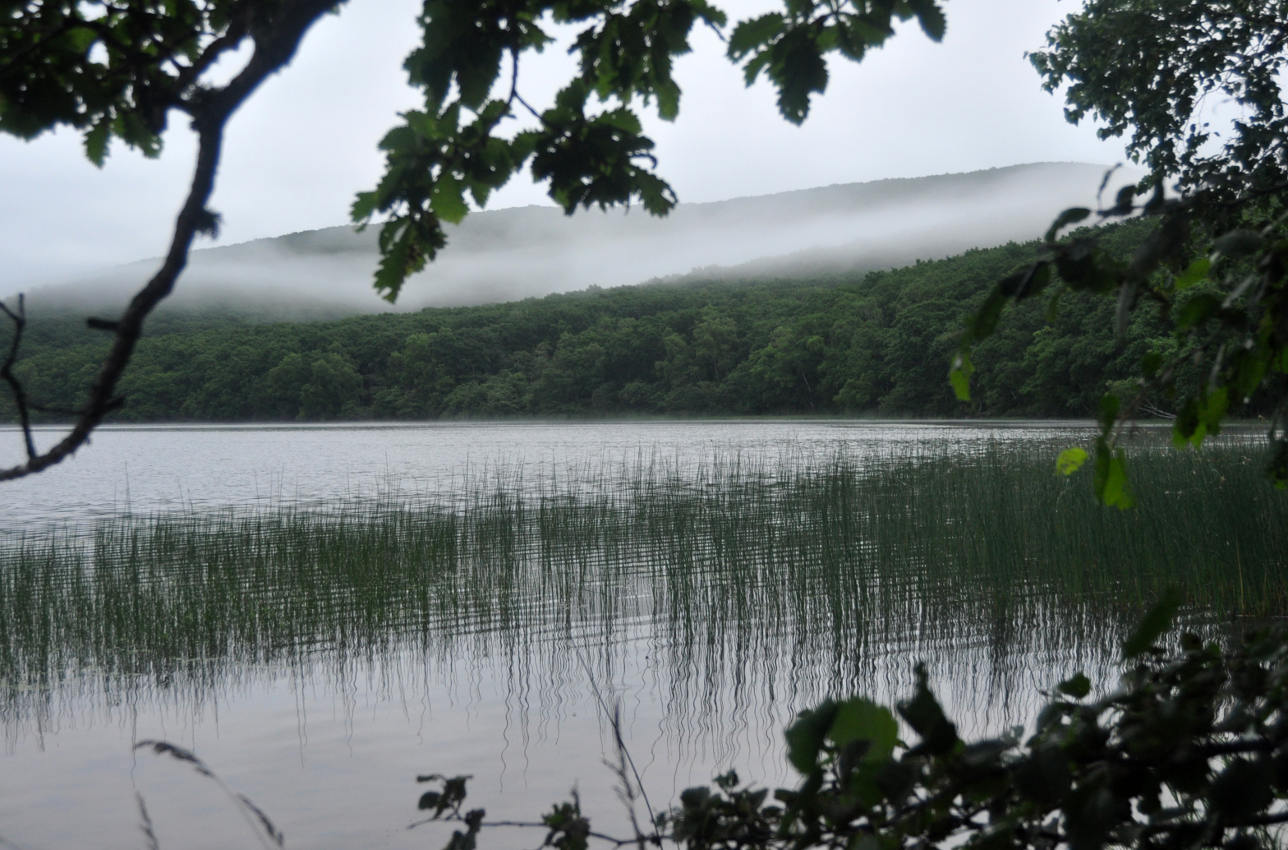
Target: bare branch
[19, 320]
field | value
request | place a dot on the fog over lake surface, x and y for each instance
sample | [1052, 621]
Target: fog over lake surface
[687, 572]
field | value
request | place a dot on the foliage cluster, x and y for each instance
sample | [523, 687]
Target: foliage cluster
[1216, 262]
[869, 344]
[589, 146]
[1189, 751]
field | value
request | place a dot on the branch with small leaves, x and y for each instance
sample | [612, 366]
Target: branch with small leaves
[1216, 261]
[273, 44]
[1227, 298]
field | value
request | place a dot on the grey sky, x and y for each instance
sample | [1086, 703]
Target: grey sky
[305, 143]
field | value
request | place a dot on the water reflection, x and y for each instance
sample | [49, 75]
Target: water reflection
[145, 470]
[478, 630]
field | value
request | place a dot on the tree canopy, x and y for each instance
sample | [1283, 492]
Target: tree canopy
[788, 341]
[1197, 89]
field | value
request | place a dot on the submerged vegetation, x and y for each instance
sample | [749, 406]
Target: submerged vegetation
[818, 568]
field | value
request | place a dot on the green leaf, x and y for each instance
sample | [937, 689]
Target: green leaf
[623, 119]
[1277, 466]
[754, 66]
[863, 720]
[1092, 811]
[1150, 363]
[984, 321]
[799, 71]
[1194, 273]
[1115, 491]
[655, 194]
[1155, 622]
[1245, 789]
[668, 101]
[750, 34]
[477, 72]
[1071, 460]
[1073, 215]
[1038, 279]
[926, 717]
[1197, 310]
[522, 146]
[363, 207]
[1238, 243]
[448, 199]
[1111, 484]
[1212, 409]
[959, 376]
[1125, 200]
[805, 736]
[1078, 686]
[1189, 427]
[96, 142]
[931, 17]
[1044, 776]
[1109, 407]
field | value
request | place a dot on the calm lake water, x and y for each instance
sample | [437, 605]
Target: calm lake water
[326, 731]
[150, 469]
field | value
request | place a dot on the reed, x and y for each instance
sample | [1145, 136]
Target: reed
[807, 570]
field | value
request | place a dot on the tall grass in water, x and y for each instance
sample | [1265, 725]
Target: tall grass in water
[739, 570]
[1206, 522]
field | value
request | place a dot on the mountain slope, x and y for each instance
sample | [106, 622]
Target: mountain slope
[847, 343]
[516, 253]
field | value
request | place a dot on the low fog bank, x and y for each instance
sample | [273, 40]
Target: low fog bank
[517, 253]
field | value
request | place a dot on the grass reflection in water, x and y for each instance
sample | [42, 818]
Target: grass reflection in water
[746, 582]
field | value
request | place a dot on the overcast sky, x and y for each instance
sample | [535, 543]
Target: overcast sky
[296, 153]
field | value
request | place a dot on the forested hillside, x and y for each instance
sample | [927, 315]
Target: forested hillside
[875, 343]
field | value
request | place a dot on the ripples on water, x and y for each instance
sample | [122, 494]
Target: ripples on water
[324, 656]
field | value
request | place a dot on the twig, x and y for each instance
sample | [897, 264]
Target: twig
[625, 792]
[19, 320]
[519, 824]
[254, 815]
[614, 718]
[145, 823]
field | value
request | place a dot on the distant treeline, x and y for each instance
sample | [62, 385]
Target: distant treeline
[876, 343]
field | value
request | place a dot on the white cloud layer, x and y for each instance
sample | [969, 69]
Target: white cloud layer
[298, 151]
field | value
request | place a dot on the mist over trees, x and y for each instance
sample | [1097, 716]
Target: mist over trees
[118, 72]
[859, 343]
[509, 254]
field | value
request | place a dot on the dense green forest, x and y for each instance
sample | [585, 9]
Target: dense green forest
[870, 343]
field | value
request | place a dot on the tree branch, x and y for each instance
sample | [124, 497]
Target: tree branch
[19, 320]
[275, 44]
[519, 824]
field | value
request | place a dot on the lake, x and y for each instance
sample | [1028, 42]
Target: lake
[321, 613]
